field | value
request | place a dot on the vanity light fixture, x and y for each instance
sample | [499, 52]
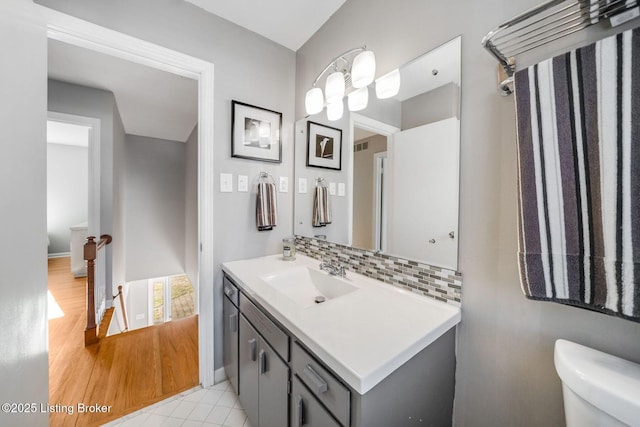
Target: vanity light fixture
[351, 71]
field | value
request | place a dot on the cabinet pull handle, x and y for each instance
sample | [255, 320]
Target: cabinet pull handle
[252, 348]
[299, 411]
[262, 362]
[233, 323]
[229, 292]
[318, 385]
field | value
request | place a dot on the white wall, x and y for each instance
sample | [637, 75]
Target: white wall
[154, 213]
[67, 193]
[505, 373]
[23, 233]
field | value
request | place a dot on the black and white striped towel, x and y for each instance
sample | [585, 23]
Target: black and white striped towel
[578, 124]
[321, 207]
[266, 207]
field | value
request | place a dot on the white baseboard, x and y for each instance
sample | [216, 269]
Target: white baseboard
[219, 375]
[59, 255]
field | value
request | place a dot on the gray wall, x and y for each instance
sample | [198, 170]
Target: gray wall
[505, 372]
[248, 68]
[85, 101]
[67, 193]
[23, 232]
[154, 184]
[118, 212]
[437, 104]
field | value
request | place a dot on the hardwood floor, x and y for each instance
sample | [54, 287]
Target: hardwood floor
[126, 371]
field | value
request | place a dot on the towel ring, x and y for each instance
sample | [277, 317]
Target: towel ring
[264, 177]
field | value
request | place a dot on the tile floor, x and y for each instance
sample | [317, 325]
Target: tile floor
[199, 407]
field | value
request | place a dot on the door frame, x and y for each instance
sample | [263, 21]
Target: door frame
[372, 125]
[75, 31]
[94, 162]
[379, 201]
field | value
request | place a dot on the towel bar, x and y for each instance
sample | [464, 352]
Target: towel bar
[547, 23]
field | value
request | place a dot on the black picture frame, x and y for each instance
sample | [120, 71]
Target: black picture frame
[324, 146]
[256, 133]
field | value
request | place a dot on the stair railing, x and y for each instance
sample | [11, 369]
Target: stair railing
[96, 284]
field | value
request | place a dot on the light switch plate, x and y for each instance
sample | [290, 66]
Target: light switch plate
[332, 188]
[284, 184]
[243, 183]
[302, 185]
[342, 189]
[226, 183]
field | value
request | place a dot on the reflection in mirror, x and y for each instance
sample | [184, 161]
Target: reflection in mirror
[397, 189]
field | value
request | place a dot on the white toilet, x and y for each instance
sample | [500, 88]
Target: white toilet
[598, 389]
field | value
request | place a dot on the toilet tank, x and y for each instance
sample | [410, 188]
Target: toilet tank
[598, 389]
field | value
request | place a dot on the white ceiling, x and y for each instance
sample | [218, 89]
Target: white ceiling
[67, 134]
[287, 22]
[152, 103]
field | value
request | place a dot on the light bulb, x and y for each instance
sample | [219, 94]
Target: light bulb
[363, 70]
[388, 85]
[334, 87]
[358, 99]
[335, 110]
[314, 102]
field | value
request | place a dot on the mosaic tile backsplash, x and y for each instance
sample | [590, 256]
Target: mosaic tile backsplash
[424, 279]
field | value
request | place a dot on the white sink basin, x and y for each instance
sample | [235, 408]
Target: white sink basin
[303, 285]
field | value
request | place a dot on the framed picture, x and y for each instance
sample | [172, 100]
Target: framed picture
[324, 146]
[255, 133]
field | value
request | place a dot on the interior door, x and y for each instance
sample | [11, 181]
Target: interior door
[423, 199]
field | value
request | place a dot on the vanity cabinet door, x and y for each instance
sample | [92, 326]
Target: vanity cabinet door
[230, 342]
[306, 411]
[274, 381]
[248, 369]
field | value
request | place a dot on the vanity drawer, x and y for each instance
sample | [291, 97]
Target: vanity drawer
[230, 290]
[331, 392]
[276, 337]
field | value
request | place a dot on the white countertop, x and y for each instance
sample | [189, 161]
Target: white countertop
[363, 336]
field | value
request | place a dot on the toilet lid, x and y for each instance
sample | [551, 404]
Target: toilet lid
[609, 383]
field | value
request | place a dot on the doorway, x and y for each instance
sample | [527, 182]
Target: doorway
[84, 34]
[371, 140]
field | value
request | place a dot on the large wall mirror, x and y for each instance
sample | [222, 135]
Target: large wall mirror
[395, 187]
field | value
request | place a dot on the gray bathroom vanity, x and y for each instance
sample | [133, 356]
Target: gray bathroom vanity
[371, 355]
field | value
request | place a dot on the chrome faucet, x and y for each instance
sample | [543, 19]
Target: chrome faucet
[334, 270]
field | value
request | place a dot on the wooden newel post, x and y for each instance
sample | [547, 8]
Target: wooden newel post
[90, 252]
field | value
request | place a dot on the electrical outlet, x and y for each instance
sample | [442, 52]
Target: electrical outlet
[332, 188]
[342, 189]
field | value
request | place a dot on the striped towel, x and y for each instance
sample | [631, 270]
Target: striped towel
[266, 208]
[595, 10]
[321, 207]
[578, 119]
